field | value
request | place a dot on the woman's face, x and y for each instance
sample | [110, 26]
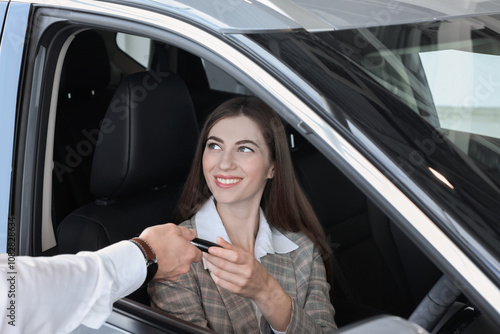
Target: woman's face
[236, 161]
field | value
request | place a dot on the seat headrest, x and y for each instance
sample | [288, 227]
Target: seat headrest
[86, 65]
[147, 137]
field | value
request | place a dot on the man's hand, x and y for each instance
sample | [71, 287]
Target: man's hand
[173, 249]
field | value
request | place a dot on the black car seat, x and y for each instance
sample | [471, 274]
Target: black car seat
[144, 150]
[84, 96]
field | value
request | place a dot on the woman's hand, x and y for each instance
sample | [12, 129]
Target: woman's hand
[239, 272]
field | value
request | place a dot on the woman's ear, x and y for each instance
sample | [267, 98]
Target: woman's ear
[270, 174]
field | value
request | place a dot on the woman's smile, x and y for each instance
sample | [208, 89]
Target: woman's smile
[226, 181]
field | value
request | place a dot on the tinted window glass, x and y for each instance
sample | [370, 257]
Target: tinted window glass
[426, 94]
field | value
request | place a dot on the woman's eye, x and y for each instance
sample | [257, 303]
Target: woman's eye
[213, 146]
[245, 149]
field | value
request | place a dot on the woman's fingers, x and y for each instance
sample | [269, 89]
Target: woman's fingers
[230, 262]
[227, 261]
[228, 252]
[224, 274]
[224, 243]
[235, 269]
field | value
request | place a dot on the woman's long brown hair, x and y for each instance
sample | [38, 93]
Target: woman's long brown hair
[284, 203]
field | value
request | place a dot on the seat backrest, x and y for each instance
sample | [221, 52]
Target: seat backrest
[143, 153]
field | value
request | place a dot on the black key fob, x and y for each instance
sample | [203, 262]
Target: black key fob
[203, 244]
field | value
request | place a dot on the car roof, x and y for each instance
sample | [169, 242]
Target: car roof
[246, 16]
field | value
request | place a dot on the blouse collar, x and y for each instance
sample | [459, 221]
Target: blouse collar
[268, 241]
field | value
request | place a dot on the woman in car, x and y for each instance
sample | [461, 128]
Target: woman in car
[269, 273]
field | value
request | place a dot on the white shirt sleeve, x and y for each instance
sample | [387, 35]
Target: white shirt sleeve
[57, 294]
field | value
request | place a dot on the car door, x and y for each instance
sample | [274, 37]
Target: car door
[53, 25]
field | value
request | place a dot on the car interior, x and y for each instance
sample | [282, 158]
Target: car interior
[124, 137]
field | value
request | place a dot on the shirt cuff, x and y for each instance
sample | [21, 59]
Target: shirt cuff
[129, 264]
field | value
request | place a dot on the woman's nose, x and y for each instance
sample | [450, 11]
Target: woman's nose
[227, 161]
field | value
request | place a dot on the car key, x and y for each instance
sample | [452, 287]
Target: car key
[203, 244]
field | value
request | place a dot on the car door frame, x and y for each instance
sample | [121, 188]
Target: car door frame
[12, 47]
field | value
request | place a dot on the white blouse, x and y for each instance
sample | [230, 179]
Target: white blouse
[269, 240]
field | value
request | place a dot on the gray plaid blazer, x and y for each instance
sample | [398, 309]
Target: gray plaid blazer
[195, 297]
